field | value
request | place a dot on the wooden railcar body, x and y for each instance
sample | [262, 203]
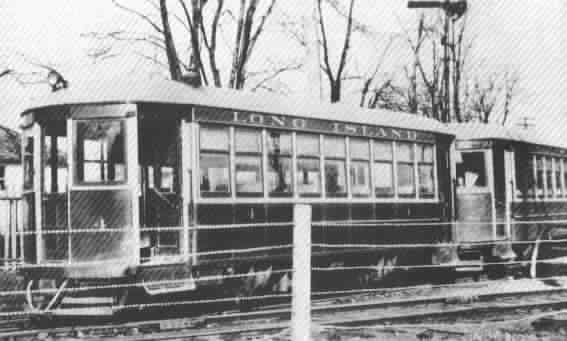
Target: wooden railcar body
[524, 182]
[130, 174]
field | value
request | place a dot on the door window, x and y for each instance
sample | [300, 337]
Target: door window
[471, 171]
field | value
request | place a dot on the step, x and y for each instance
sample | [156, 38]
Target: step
[88, 300]
[77, 312]
[158, 289]
[469, 266]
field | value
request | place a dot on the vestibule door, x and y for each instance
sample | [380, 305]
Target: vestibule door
[475, 197]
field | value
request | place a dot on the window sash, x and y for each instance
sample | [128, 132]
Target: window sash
[406, 180]
[384, 185]
[426, 179]
[214, 138]
[335, 177]
[334, 147]
[360, 178]
[308, 145]
[222, 173]
[105, 131]
[285, 186]
[383, 150]
[249, 174]
[359, 149]
[282, 145]
[308, 175]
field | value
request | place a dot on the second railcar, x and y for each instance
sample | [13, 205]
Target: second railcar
[510, 187]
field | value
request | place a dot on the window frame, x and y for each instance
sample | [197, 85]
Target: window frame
[394, 176]
[319, 160]
[229, 155]
[310, 157]
[75, 164]
[3, 178]
[413, 164]
[358, 160]
[431, 164]
[290, 156]
[259, 155]
[331, 158]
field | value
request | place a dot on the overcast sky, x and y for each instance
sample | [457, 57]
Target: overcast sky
[519, 34]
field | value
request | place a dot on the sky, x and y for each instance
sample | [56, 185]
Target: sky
[523, 35]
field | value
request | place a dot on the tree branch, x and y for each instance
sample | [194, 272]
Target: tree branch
[140, 15]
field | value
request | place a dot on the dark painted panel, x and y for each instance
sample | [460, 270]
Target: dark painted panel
[362, 212]
[208, 214]
[280, 213]
[55, 218]
[100, 210]
[426, 211]
[245, 213]
[336, 212]
[317, 212]
[385, 211]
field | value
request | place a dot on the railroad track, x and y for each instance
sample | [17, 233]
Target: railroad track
[327, 312]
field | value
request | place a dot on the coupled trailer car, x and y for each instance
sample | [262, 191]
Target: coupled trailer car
[510, 193]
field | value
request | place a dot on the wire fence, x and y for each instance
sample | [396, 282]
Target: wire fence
[385, 261]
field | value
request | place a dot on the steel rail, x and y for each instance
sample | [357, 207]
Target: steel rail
[278, 319]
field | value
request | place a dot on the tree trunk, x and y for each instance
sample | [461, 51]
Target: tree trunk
[172, 58]
[237, 45]
[335, 91]
[246, 31]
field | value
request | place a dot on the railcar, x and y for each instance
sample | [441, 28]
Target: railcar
[121, 179]
[510, 186]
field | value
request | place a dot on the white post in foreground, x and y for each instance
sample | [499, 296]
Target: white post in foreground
[301, 283]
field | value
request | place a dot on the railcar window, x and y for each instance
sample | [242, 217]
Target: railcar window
[100, 151]
[279, 147]
[308, 164]
[248, 162]
[426, 171]
[549, 176]
[28, 163]
[2, 178]
[558, 185]
[55, 157]
[532, 180]
[335, 165]
[540, 175]
[405, 169]
[214, 161]
[359, 167]
[383, 169]
[471, 171]
[564, 183]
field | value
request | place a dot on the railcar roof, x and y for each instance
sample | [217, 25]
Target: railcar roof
[481, 131]
[172, 92]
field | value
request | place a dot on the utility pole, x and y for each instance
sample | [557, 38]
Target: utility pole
[526, 122]
[453, 9]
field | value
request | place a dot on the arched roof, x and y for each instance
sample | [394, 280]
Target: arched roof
[482, 131]
[125, 90]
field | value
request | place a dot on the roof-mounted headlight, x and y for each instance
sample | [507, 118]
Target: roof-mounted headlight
[56, 81]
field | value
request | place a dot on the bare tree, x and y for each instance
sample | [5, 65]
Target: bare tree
[335, 78]
[483, 97]
[511, 80]
[459, 47]
[432, 79]
[372, 87]
[199, 22]
[415, 45]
